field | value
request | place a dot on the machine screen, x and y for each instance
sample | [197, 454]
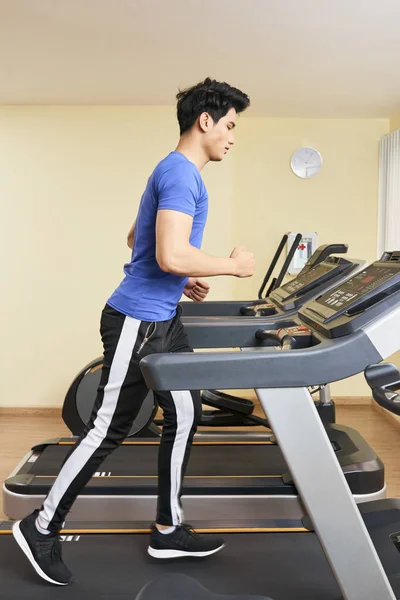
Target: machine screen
[357, 286]
[304, 279]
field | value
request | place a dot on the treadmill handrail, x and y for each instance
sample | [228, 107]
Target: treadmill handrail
[285, 267]
[272, 265]
[322, 252]
[328, 361]
[384, 381]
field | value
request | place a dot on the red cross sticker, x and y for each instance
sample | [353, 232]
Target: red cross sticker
[301, 247]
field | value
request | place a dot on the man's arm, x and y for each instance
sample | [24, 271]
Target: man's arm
[175, 254]
[129, 239]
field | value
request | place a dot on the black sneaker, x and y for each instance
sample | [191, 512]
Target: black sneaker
[184, 541]
[43, 551]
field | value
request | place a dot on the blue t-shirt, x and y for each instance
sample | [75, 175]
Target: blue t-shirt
[146, 292]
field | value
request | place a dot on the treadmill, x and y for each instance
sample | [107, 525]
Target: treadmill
[228, 474]
[349, 552]
[321, 272]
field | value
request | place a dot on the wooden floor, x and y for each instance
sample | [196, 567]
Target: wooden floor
[19, 433]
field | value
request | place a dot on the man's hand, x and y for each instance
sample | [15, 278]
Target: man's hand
[245, 262]
[196, 289]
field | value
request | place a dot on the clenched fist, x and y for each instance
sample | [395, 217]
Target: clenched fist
[245, 262]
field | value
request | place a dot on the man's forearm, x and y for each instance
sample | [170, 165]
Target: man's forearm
[192, 262]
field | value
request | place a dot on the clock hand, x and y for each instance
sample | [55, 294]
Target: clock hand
[309, 158]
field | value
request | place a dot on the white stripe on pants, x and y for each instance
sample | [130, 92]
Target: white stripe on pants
[184, 416]
[95, 436]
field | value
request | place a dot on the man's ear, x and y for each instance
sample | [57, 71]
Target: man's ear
[205, 122]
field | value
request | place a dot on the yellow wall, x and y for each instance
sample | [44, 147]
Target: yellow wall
[340, 203]
[71, 182]
[70, 185]
[395, 122]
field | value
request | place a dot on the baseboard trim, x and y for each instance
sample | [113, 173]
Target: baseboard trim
[26, 411]
[339, 400]
[393, 419]
[352, 400]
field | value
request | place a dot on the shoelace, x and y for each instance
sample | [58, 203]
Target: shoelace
[49, 547]
[57, 548]
[189, 529]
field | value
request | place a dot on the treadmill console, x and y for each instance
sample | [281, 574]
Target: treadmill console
[306, 278]
[354, 303]
[294, 293]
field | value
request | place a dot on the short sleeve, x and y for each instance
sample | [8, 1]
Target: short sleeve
[178, 190]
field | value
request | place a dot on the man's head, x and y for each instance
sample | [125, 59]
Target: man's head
[209, 110]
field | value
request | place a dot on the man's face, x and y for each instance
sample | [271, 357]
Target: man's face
[219, 136]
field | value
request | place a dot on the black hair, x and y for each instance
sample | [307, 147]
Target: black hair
[214, 97]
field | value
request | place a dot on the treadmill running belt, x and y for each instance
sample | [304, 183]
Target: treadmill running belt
[181, 587]
[141, 460]
[281, 566]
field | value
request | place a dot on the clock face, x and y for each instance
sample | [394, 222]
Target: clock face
[306, 162]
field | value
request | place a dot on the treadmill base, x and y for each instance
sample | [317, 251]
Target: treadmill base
[281, 511]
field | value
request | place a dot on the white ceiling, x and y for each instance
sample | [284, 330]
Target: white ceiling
[295, 58]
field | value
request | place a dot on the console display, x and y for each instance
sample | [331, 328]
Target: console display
[304, 279]
[357, 286]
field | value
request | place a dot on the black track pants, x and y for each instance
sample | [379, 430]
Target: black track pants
[119, 397]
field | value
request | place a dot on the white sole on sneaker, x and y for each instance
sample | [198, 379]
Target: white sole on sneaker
[23, 544]
[180, 553]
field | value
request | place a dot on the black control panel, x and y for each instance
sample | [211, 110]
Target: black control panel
[353, 303]
[312, 275]
[355, 288]
[294, 293]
